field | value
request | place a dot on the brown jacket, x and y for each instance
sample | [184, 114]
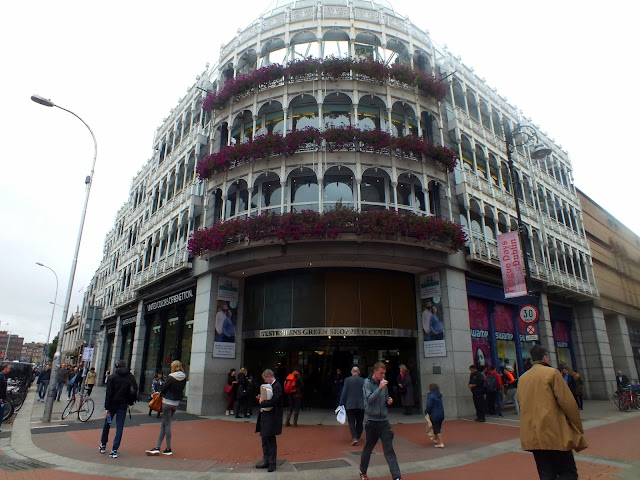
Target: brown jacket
[549, 415]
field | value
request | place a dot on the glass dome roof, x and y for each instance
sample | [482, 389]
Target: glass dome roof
[279, 6]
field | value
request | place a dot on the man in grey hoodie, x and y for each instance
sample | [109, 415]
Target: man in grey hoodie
[377, 426]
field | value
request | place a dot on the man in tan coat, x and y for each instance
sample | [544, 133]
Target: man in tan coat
[550, 423]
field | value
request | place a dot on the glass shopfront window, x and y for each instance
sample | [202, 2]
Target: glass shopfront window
[481, 345]
[562, 337]
[503, 319]
[111, 333]
[169, 336]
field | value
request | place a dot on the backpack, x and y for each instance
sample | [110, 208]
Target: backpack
[492, 383]
[132, 395]
[290, 384]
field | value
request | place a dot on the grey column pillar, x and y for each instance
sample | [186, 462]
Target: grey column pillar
[621, 350]
[598, 369]
[451, 373]
[117, 343]
[545, 330]
[137, 350]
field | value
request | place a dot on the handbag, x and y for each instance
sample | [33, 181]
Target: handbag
[228, 387]
[341, 414]
[430, 432]
[156, 402]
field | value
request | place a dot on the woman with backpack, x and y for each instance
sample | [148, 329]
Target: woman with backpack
[493, 389]
[171, 393]
[293, 386]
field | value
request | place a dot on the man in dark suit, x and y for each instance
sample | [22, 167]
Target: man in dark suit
[353, 400]
[269, 422]
[621, 381]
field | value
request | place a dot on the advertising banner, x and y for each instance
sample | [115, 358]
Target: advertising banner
[224, 344]
[511, 265]
[479, 323]
[432, 319]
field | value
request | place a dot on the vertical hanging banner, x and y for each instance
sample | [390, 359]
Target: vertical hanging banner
[432, 319]
[511, 265]
[224, 344]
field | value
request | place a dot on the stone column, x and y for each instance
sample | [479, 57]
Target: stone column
[621, 350]
[117, 342]
[598, 368]
[544, 329]
[208, 375]
[137, 349]
[451, 373]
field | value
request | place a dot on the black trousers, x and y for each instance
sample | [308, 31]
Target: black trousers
[355, 416]
[379, 431]
[555, 464]
[481, 405]
[269, 450]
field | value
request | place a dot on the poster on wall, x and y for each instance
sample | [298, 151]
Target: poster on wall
[432, 320]
[480, 341]
[224, 344]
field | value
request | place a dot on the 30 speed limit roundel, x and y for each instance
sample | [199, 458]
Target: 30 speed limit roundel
[529, 314]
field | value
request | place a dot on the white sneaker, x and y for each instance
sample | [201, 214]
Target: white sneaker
[226, 412]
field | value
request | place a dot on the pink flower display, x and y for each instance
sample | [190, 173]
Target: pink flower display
[307, 224]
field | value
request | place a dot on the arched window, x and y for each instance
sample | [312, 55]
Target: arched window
[494, 172]
[459, 95]
[489, 225]
[270, 118]
[303, 45]
[303, 190]
[481, 161]
[403, 120]
[373, 189]
[237, 200]
[267, 193]
[396, 52]
[497, 124]
[242, 129]
[371, 112]
[427, 124]
[421, 61]
[337, 187]
[304, 112]
[367, 45]
[485, 115]
[467, 153]
[274, 51]
[410, 194]
[336, 110]
[247, 62]
[335, 43]
[472, 104]
[506, 177]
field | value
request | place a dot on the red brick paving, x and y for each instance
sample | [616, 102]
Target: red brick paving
[520, 465]
[616, 440]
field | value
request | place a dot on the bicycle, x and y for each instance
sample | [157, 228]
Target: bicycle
[81, 404]
[628, 399]
[9, 409]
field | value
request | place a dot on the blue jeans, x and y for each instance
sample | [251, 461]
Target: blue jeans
[42, 389]
[118, 413]
[59, 388]
[1, 413]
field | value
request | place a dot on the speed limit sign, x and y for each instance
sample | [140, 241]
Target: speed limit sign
[529, 314]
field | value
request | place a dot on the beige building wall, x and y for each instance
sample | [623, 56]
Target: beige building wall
[616, 265]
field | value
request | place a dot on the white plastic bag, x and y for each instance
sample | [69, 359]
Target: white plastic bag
[341, 414]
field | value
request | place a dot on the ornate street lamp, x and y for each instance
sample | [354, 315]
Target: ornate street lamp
[522, 135]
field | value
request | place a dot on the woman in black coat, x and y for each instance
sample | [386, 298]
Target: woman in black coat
[405, 389]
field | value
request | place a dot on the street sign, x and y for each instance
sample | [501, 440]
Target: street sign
[531, 329]
[528, 314]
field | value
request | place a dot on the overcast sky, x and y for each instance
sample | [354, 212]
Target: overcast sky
[570, 66]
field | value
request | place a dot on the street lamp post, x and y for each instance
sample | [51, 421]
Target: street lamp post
[51, 391]
[526, 134]
[45, 349]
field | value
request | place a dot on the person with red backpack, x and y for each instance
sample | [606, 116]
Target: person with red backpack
[293, 386]
[493, 388]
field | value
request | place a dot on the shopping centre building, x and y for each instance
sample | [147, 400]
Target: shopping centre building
[331, 193]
